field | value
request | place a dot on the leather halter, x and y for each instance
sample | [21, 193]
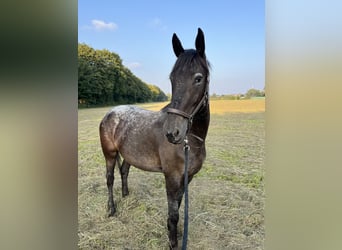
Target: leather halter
[186, 115]
[190, 116]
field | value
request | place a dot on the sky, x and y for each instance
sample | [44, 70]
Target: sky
[140, 32]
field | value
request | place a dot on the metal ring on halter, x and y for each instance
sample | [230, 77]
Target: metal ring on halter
[186, 144]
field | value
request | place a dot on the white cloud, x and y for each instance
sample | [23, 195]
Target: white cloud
[100, 25]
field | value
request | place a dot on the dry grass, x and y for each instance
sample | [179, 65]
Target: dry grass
[223, 106]
[226, 196]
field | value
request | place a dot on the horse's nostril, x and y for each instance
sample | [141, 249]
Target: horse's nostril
[169, 135]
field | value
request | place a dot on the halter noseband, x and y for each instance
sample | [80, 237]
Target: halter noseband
[186, 115]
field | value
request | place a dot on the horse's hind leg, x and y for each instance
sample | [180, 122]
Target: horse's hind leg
[110, 164]
[124, 170]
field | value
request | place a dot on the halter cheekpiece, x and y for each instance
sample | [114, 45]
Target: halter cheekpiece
[190, 116]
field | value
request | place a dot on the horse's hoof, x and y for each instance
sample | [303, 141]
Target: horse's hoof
[111, 213]
[173, 246]
[111, 210]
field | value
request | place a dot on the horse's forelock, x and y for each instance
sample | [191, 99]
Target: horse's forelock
[190, 59]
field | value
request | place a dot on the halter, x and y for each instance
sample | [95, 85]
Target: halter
[190, 116]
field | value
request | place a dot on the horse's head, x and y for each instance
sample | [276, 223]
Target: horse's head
[189, 79]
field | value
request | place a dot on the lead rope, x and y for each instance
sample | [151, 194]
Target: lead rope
[186, 198]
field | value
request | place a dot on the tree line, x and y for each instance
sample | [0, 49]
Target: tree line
[104, 80]
[251, 93]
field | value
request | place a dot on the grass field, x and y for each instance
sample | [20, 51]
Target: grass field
[226, 207]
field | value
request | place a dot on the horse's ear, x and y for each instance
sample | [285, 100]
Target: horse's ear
[200, 45]
[177, 45]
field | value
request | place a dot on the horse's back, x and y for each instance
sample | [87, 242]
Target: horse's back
[131, 121]
[132, 117]
[136, 133]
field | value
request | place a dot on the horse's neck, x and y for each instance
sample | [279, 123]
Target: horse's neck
[200, 122]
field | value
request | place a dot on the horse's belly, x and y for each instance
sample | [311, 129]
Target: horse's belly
[145, 160]
[143, 164]
[150, 168]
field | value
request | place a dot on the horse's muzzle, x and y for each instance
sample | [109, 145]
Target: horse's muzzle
[175, 128]
[173, 137]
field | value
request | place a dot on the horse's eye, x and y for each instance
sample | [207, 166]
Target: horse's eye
[198, 78]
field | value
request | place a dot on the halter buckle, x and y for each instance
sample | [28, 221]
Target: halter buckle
[186, 144]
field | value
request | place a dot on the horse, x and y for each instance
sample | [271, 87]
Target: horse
[152, 140]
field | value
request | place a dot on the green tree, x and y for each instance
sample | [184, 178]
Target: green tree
[157, 94]
[103, 80]
[254, 93]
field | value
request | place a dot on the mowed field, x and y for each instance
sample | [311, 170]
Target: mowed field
[226, 209]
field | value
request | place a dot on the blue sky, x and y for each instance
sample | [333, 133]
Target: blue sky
[141, 31]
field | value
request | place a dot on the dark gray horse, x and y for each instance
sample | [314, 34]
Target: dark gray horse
[152, 141]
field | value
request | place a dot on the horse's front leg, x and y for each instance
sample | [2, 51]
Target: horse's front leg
[174, 191]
